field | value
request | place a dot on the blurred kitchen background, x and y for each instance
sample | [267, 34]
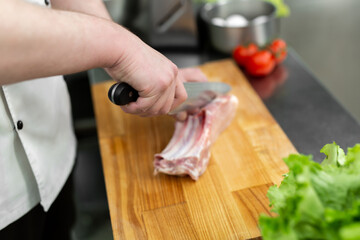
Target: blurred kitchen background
[325, 34]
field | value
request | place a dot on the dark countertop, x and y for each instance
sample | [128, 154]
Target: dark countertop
[306, 111]
[309, 114]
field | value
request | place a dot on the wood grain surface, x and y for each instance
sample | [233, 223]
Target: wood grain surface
[228, 198]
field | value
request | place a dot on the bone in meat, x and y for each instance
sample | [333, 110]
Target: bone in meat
[188, 151]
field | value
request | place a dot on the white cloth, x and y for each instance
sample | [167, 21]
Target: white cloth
[35, 161]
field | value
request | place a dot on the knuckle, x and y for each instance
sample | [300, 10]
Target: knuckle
[172, 73]
[168, 77]
[164, 83]
[174, 69]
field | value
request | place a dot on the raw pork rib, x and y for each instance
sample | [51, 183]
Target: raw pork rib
[188, 151]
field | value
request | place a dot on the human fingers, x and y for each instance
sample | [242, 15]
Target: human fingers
[141, 106]
[181, 116]
[158, 104]
[157, 98]
[163, 105]
[169, 102]
[180, 92]
[193, 75]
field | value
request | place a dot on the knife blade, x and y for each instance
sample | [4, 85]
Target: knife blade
[199, 94]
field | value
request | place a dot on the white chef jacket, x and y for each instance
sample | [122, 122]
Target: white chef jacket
[37, 144]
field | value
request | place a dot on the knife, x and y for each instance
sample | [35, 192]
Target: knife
[199, 94]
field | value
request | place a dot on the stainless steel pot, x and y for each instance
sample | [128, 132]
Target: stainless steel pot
[260, 27]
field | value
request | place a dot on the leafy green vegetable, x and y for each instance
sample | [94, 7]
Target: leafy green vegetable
[282, 9]
[316, 201]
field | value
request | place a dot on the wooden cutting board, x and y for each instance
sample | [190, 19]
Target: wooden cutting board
[224, 203]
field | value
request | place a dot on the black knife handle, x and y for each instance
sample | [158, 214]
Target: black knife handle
[122, 94]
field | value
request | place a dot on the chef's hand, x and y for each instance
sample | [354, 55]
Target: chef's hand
[190, 75]
[156, 78]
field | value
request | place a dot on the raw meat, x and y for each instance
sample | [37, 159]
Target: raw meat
[188, 151]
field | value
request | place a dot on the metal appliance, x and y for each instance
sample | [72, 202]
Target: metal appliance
[172, 23]
[163, 23]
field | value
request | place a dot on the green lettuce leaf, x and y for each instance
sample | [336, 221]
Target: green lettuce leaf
[282, 10]
[334, 155]
[316, 201]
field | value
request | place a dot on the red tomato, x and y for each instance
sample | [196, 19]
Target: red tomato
[278, 49]
[241, 53]
[260, 64]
